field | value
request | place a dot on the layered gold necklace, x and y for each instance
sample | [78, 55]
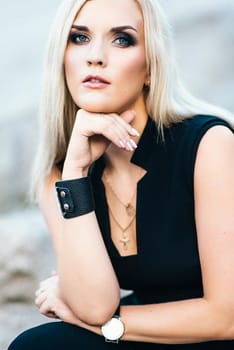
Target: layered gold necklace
[129, 210]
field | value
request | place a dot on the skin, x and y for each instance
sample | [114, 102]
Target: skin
[115, 54]
[106, 118]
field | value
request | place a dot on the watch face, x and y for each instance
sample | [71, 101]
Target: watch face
[113, 329]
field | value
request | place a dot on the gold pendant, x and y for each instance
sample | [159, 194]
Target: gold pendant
[124, 240]
[130, 209]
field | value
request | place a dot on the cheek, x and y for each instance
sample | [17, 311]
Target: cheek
[70, 67]
[135, 68]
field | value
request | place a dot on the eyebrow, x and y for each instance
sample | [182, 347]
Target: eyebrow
[113, 30]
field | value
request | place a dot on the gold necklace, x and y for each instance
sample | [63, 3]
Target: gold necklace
[125, 238]
[130, 209]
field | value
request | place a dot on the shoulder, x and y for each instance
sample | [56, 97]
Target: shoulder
[214, 158]
[209, 132]
[197, 125]
[203, 133]
[216, 149]
[189, 133]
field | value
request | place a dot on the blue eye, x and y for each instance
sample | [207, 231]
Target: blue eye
[125, 40]
[77, 38]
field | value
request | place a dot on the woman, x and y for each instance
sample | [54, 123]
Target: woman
[144, 177]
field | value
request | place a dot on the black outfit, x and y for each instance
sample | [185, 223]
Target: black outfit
[166, 267]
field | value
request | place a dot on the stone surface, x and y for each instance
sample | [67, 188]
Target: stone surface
[26, 258]
[25, 255]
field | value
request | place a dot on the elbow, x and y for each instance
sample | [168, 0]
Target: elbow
[226, 331]
[96, 316]
[94, 312]
[224, 328]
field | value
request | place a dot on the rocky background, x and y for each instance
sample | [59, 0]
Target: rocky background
[204, 40]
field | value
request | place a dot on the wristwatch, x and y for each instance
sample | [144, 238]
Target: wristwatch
[113, 330]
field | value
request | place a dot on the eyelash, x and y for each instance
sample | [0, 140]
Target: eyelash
[128, 39]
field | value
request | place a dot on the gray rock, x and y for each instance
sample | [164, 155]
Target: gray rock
[25, 255]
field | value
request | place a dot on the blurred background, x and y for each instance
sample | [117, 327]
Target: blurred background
[204, 42]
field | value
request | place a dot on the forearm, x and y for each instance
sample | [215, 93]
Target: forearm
[88, 282]
[189, 321]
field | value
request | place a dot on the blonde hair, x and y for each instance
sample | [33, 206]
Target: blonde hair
[167, 100]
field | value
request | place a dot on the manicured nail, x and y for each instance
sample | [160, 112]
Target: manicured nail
[121, 144]
[133, 143]
[129, 146]
[135, 132]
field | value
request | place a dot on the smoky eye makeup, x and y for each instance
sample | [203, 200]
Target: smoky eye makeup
[124, 39]
[78, 34]
[78, 38]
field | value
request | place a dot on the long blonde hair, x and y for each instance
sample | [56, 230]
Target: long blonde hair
[167, 100]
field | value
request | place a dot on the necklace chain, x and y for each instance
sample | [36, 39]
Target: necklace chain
[130, 210]
[123, 229]
[125, 238]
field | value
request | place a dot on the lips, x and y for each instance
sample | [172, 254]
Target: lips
[95, 79]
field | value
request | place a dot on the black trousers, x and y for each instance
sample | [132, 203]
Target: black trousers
[64, 336]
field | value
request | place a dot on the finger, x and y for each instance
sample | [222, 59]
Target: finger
[120, 131]
[126, 126]
[127, 117]
[51, 314]
[40, 299]
[44, 283]
[48, 282]
[46, 308]
[39, 291]
[116, 131]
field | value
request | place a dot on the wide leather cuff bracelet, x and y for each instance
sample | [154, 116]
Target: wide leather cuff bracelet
[75, 197]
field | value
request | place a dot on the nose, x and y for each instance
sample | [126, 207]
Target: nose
[97, 55]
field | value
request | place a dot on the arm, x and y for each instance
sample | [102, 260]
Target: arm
[87, 279]
[210, 317]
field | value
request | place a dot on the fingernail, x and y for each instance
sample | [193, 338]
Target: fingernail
[133, 143]
[130, 146]
[135, 132]
[122, 144]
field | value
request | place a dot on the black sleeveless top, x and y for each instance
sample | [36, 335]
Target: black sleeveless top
[167, 266]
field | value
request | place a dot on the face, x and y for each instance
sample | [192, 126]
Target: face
[105, 62]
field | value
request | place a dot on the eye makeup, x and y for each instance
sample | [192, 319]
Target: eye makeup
[80, 34]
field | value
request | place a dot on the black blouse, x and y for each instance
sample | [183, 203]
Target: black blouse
[167, 266]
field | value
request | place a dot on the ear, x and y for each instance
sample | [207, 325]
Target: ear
[147, 81]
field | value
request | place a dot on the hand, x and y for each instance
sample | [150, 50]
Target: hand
[50, 304]
[91, 135]
[49, 301]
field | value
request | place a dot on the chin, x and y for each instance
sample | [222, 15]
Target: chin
[94, 105]
[99, 108]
